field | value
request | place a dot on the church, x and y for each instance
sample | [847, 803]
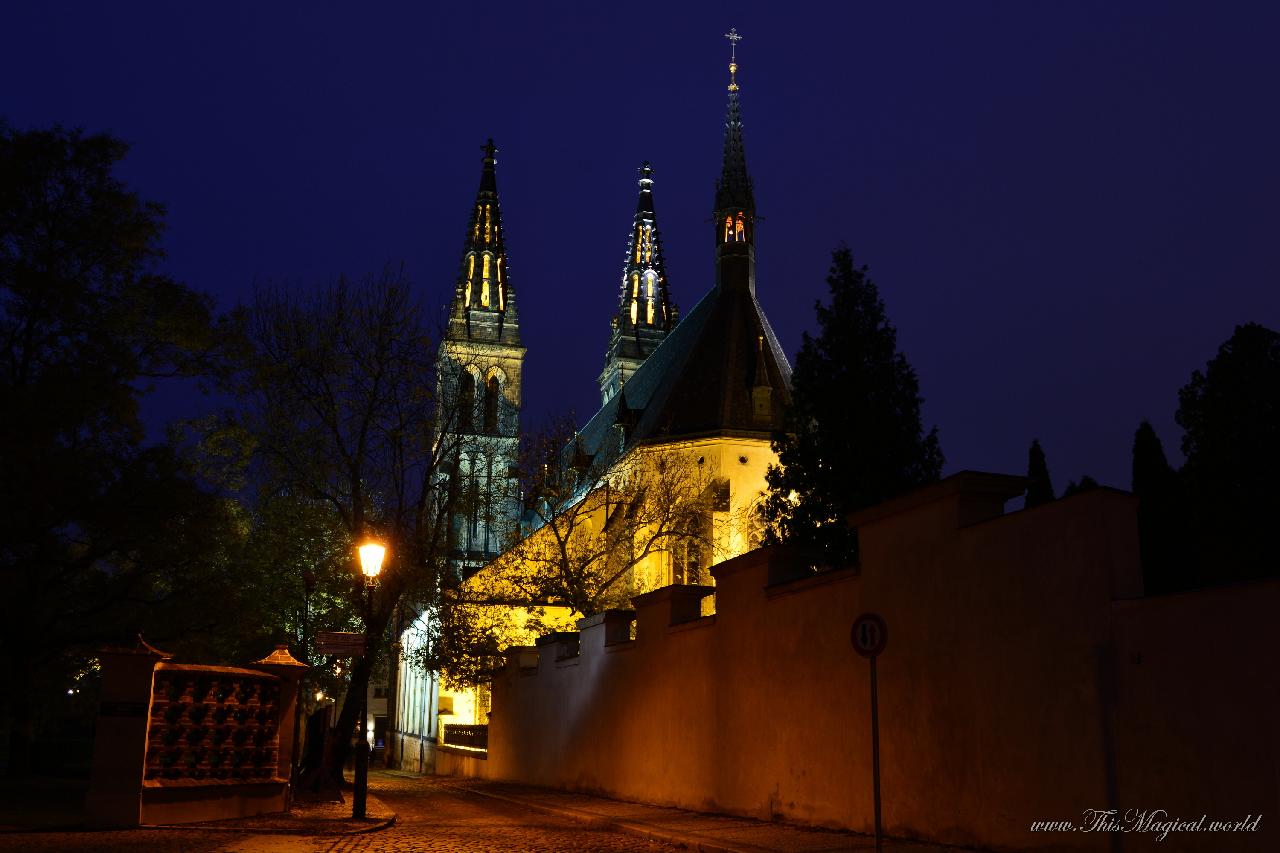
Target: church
[700, 393]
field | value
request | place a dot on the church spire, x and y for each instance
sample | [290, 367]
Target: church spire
[478, 378]
[645, 312]
[735, 209]
[484, 302]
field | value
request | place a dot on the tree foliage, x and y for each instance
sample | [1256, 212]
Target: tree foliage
[1230, 414]
[1165, 539]
[599, 529]
[597, 520]
[1039, 486]
[337, 391]
[852, 436]
[100, 533]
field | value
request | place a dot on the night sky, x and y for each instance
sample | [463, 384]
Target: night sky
[1067, 206]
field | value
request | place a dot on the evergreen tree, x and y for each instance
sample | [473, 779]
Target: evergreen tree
[1162, 540]
[1039, 486]
[852, 436]
[1231, 416]
[1086, 484]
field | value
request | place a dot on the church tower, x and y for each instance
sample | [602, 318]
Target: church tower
[481, 360]
[645, 312]
[735, 210]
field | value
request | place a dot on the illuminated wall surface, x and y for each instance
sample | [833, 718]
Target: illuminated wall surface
[1025, 679]
[742, 462]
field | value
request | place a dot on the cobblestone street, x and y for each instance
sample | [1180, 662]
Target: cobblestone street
[435, 817]
[431, 817]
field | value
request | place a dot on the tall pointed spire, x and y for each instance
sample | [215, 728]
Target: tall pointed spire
[484, 302]
[479, 379]
[735, 209]
[645, 311]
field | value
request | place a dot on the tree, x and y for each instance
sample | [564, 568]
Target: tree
[1165, 545]
[1230, 413]
[338, 392]
[852, 436]
[1085, 484]
[100, 534]
[600, 529]
[597, 519]
[1039, 486]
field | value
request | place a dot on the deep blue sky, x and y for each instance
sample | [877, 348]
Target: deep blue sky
[1067, 206]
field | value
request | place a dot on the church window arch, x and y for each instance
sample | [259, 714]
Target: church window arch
[471, 271]
[466, 401]
[739, 232]
[728, 228]
[649, 303]
[484, 280]
[492, 396]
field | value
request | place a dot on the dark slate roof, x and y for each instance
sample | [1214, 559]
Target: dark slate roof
[699, 381]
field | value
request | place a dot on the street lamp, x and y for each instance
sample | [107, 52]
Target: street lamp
[371, 554]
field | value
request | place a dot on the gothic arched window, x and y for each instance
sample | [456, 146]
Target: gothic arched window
[491, 394]
[466, 401]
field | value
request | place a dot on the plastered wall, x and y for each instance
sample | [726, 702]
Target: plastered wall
[1024, 679]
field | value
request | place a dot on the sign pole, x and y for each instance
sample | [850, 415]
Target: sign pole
[875, 752]
[869, 636]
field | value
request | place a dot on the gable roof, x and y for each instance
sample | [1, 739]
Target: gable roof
[700, 380]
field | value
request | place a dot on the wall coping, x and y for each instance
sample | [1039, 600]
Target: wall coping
[693, 624]
[671, 592]
[800, 584]
[604, 616]
[961, 485]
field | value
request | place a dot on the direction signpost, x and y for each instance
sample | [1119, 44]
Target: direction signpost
[869, 636]
[342, 644]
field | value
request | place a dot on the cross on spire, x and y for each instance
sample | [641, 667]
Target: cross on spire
[733, 38]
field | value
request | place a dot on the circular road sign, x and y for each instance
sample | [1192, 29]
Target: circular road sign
[869, 635]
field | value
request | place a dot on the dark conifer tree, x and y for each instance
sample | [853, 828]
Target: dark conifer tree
[1039, 486]
[1231, 415]
[852, 436]
[1162, 529]
[1086, 484]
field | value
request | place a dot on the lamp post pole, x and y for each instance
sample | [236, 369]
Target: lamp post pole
[370, 564]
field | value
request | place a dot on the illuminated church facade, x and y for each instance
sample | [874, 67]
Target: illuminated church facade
[710, 385]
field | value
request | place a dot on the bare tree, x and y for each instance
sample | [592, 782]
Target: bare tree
[340, 393]
[606, 526]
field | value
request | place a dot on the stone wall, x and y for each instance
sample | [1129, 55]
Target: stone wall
[1025, 679]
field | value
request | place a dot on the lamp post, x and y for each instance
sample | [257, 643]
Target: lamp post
[371, 555]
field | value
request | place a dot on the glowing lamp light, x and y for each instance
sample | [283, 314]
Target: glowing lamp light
[371, 556]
